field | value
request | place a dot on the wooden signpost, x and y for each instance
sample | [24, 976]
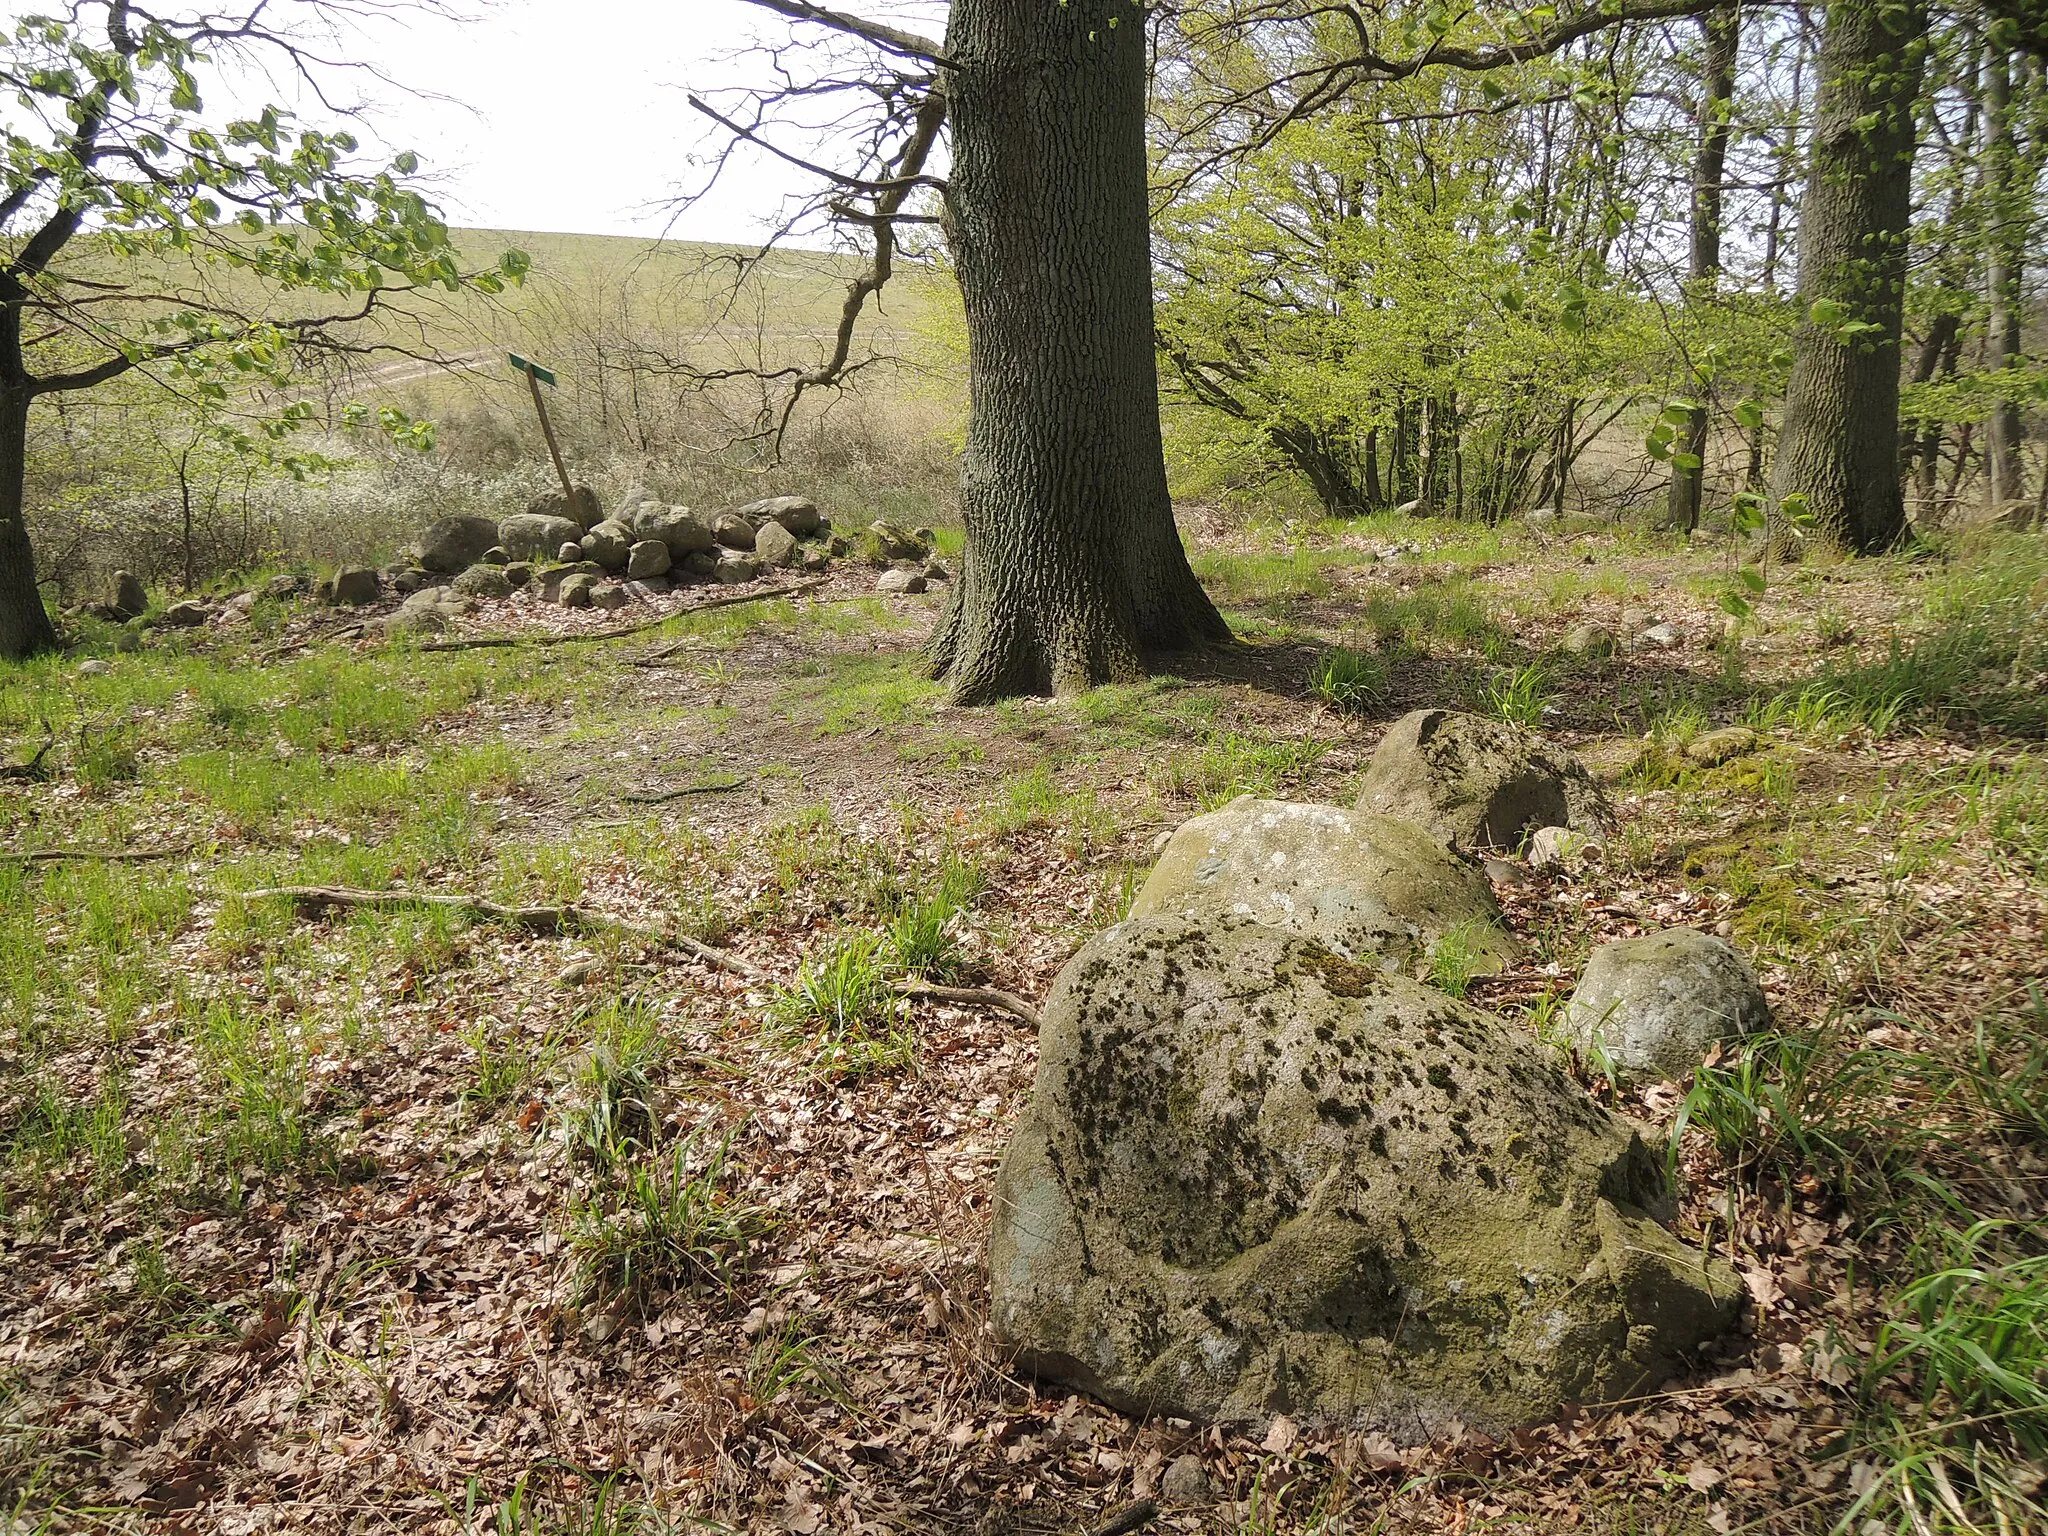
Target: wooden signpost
[535, 377]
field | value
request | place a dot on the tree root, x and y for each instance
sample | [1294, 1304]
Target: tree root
[33, 770]
[1132, 1517]
[102, 855]
[662, 796]
[655, 658]
[564, 919]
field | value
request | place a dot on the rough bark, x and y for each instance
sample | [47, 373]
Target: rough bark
[25, 627]
[1839, 444]
[2004, 256]
[1073, 571]
[1723, 34]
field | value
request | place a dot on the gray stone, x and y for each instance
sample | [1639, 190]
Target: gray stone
[936, 571]
[701, 562]
[774, 545]
[798, 514]
[838, 547]
[649, 557]
[611, 597]
[1364, 886]
[452, 544]
[551, 581]
[279, 588]
[892, 543]
[1591, 640]
[95, 668]
[420, 621]
[1254, 1177]
[576, 590]
[519, 573]
[580, 507]
[1478, 783]
[1560, 848]
[128, 641]
[679, 528]
[411, 580]
[815, 560]
[901, 580]
[610, 544]
[131, 600]
[533, 536]
[733, 569]
[189, 614]
[1186, 1482]
[733, 531]
[647, 591]
[1662, 636]
[355, 585]
[1718, 747]
[495, 555]
[925, 536]
[571, 552]
[486, 581]
[1653, 1007]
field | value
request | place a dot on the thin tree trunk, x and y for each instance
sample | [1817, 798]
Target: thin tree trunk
[1073, 569]
[2005, 255]
[1723, 33]
[25, 627]
[1839, 445]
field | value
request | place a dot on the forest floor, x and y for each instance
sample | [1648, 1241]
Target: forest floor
[393, 1220]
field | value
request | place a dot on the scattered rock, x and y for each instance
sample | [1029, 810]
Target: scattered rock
[733, 569]
[892, 543]
[571, 553]
[935, 571]
[900, 579]
[95, 668]
[1185, 1482]
[680, 529]
[1722, 746]
[838, 547]
[1365, 886]
[280, 588]
[796, 514]
[576, 590]
[1662, 636]
[733, 531]
[774, 545]
[189, 614]
[487, 581]
[578, 973]
[649, 557]
[410, 580]
[648, 590]
[1655, 1006]
[242, 603]
[495, 555]
[1561, 847]
[1591, 640]
[130, 600]
[551, 581]
[925, 537]
[451, 544]
[355, 585]
[425, 621]
[1253, 1173]
[534, 536]
[128, 641]
[610, 597]
[814, 560]
[1478, 783]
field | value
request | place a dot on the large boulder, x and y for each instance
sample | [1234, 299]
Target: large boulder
[1653, 1007]
[734, 531]
[580, 507]
[798, 514]
[131, 599]
[678, 527]
[647, 559]
[450, 545]
[610, 544]
[1255, 1178]
[774, 545]
[1478, 783]
[535, 535]
[1364, 886]
[355, 585]
[488, 581]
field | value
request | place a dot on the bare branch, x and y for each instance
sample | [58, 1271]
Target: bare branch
[851, 183]
[889, 39]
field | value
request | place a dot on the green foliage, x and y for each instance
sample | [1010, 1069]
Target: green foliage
[923, 938]
[1516, 697]
[1350, 682]
[672, 1223]
[1456, 958]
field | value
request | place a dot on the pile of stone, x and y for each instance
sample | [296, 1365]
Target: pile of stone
[1268, 1169]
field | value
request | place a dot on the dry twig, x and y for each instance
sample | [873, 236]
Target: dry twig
[620, 632]
[102, 855]
[33, 769]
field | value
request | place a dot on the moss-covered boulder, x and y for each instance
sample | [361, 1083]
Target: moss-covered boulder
[1479, 783]
[1256, 1178]
[1360, 884]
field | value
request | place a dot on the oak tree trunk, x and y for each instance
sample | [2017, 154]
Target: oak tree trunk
[25, 627]
[1839, 444]
[1073, 571]
[1723, 31]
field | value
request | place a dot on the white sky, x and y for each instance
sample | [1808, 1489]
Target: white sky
[572, 115]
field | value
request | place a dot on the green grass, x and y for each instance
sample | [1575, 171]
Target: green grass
[670, 1222]
[1350, 682]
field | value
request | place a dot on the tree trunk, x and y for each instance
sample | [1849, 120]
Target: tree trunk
[2005, 255]
[1323, 463]
[1073, 570]
[1723, 31]
[1839, 445]
[25, 627]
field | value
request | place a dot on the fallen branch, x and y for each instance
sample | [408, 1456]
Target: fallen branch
[661, 797]
[102, 855]
[1132, 1517]
[318, 898]
[33, 769]
[303, 641]
[620, 631]
[655, 657]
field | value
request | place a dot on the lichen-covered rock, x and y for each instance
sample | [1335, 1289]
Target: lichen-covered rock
[1478, 783]
[535, 536]
[798, 514]
[487, 581]
[734, 569]
[1362, 885]
[1714, 748]
[901, 579]
[581, 506]
[734, 532]
[678, 527]
[1653, 1007]
[610, 544]
[1256, 1178]
[774, 545]
[890, 542]
[577, 590]
[452, 544]
[647, 559]
[130, 600]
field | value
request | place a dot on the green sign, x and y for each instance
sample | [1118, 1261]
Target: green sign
[535, 369]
